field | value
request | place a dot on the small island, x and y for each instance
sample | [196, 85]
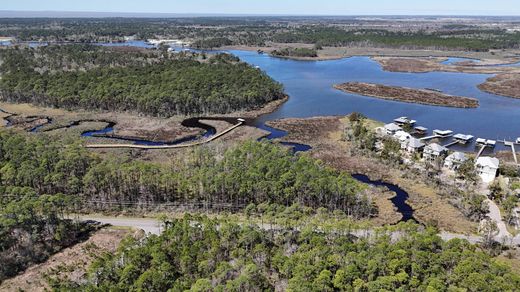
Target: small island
[296, 52]
[411, 95]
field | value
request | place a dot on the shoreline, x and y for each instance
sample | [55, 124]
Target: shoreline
[324, 134]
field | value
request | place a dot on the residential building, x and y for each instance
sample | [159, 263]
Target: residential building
[433, 151]
[392, 128]
[487, 168]
[455, 160]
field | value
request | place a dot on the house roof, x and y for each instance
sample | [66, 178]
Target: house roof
[488, 161]
[402, 135]
[457, 156]
[392, 127]
[415, 143]
[436, 147]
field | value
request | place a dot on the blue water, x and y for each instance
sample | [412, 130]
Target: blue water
[399, 200]
[454, 60]
[309, 85]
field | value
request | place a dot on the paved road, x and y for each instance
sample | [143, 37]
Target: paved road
[153, 226]
[494, 214]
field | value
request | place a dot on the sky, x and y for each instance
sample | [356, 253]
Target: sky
[276, 7]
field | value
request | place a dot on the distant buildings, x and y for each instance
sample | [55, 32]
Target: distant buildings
[487, 168]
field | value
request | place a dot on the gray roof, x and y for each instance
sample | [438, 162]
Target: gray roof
[437, 148]
[392, 127]
[488, 161]
[457, 156]
[415, 143]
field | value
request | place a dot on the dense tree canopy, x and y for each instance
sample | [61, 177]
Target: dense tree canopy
[154, 83]
[200, 254]
[253, 172]
[32, 228]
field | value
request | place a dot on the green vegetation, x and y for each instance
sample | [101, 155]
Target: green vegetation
[153, 83]
[212, 43]
[253, 172]
[295, 52]
[201, 254]
[213, 32]
[32, 228]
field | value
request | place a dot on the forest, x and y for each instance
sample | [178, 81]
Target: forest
[196, 253]
[209, 179]
[295, 52]
[213, 32]
[150, 82]
[33, 227]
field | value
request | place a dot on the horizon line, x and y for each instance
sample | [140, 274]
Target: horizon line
[34, 14]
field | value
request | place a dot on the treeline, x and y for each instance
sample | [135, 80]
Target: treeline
[212, 43]
[32, 228]
[331, 36]
[251, 173]
[296, 52]
[213, 32]
[151, 83]
[200, 254]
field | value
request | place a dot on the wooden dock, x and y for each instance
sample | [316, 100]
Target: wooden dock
[512, 145]
[429, 138]
[148, 147]
[452, 143]
[482, 147]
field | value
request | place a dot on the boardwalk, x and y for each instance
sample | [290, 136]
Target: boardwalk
[133, 146]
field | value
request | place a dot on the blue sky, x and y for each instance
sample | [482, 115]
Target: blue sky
[308, 7]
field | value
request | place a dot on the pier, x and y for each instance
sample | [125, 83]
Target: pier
[512, 145]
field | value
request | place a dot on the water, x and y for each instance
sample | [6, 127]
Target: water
[309, 85]
[399, 200]
[455, 60]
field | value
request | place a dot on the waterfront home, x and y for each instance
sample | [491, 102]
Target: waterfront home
[455, 160]
[487, 168]
[433, 151]
[403, 138]
[414, 145]
[392, 128]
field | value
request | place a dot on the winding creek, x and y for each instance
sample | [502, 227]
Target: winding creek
[310, 86]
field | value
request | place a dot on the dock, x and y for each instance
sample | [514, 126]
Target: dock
[512, 145]
[147, 147]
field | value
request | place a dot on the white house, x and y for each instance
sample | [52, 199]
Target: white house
[414, 145]
[392, 128]
[433, 151]
[454, 160]
[403, 138]
[487, 168]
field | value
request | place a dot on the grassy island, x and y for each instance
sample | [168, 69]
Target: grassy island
[411, 95]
